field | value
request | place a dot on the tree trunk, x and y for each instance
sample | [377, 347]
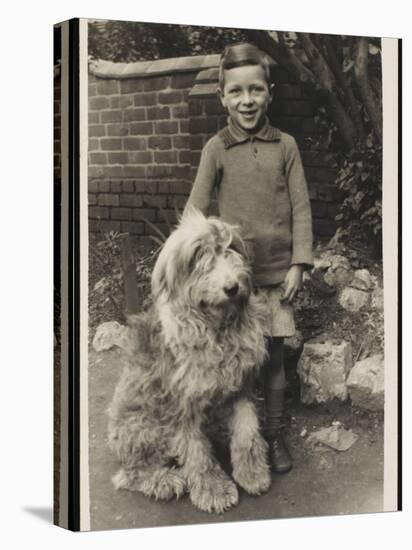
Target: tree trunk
[365, 90]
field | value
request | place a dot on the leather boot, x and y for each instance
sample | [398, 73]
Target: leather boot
[279, 455]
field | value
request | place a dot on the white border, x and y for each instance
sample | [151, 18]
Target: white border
[390, 267]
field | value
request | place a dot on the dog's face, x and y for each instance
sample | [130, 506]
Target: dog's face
[203, 265]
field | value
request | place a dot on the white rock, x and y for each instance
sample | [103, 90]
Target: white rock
[339, 273]
[335, 437]
[352, 299]
[108, 335]
[323, 369]
[366, 383]
[362, 280]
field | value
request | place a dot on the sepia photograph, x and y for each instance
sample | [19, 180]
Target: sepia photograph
[236, 337]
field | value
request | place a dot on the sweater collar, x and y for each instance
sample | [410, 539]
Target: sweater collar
[232, 135]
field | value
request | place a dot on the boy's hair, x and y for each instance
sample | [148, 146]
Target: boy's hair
[241, 54]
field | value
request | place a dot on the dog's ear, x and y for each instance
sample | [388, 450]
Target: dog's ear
[167, 271]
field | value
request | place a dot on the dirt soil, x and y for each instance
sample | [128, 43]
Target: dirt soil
[322, 482]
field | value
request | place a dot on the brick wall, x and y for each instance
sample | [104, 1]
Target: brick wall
[148, 123]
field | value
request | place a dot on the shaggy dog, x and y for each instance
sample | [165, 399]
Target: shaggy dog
[192, 360]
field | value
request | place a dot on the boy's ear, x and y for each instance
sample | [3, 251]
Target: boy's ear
[271, 91]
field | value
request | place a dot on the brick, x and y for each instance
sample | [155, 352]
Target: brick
[180, 111]
[109, 225]
[130, 115]
[140, 157]
[96, 212]
[134, 171]
[202, 125]
[92, 199]
[180, 187]
[111, 144]
[162, 227]
[324, 228]
[98, 158]
[156, 83]
[134, 144]
[170, 98]
[107, 199]
[154, 201]
[158, 113]
[141, 128]
[104, 186]
[165, 157]
[98, 103]
[97, 130]
[94, 144]
[160, 171]
[131, 200]
[108, 87]
[94, 226]
[95, 172]
[166, 127]
[121, 213]
[163, 187]
[160, 142]
[93, 186]
[113, 171]
[132, 85]
[92, 89]
[182, 80]
[143, 213]
[146, 186]
[181, 142]
[196, 143]
[213, 107]
[116, 186]
[319, 209]
[117, 130]
[117, 158]
[134, 228]
[94, 117]
[186, 156]
[327, 193]
[194, 158]
[128, 186]
[182, 171]
[145, 99]
[177, 201]
[121, 101]
[196, 107]
[112, 116]
[184, 126]
[169, 217]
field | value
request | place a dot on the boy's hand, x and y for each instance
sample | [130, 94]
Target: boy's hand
[292, 283]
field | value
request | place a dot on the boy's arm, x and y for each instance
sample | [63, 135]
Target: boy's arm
[302, 237]
[206, 179]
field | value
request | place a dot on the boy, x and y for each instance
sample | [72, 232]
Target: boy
[258, 176]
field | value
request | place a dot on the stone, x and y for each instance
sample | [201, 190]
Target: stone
[362, 280]
[336, 437]
[352, 299]
[108, 335]
[322, 370]
[377, 299]
[339, 273]
[366, 383]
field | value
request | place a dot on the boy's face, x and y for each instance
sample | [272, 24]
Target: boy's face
[246, 95]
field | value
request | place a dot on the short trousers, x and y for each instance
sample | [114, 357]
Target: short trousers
[280, 316]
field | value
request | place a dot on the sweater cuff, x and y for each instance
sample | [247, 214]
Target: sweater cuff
[301, 255]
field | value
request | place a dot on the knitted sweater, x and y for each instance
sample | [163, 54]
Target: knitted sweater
[260, 187]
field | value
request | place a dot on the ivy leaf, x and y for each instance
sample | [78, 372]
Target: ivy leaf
[373, 50]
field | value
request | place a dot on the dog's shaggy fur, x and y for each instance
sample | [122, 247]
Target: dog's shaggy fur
[192, 359]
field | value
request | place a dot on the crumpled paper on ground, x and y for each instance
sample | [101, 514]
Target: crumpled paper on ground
[335, 437]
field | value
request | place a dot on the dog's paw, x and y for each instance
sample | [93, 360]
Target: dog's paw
[251, 469]
[214, 492]
[120, 480]
[165, 485]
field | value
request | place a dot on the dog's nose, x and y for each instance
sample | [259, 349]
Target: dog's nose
[231, 290]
